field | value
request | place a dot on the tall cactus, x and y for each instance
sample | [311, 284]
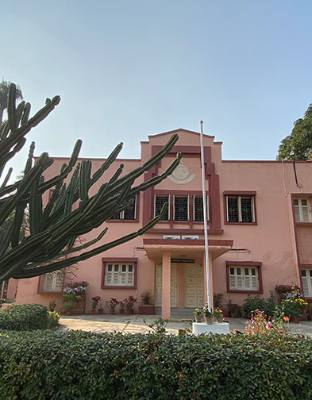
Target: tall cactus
[50, 243]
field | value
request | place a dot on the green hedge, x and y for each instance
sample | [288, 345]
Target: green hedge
[80, 365]
[25, 317]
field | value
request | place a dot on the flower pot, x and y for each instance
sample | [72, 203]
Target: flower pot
[208, 319]
[92, 312]
[199, 318]
[232, 315]
[296, 320]
[122, 311]
[128, 312]
[100, 310]
[219, 319]
[68, 312]
[146, 309]
[112, 312]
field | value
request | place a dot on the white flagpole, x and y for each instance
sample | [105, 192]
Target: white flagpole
[205, 214]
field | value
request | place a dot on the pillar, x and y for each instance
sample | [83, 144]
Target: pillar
[166, 279]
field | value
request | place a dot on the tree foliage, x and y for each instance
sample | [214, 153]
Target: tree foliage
[298, 145]
[4, 94]
[71, 211]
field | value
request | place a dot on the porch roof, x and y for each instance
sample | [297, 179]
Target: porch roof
[185, 248]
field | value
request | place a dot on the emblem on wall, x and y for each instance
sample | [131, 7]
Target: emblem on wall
[181, 175]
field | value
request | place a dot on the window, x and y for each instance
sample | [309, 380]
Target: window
[119, 274]
[53, 282]
[302, 210]
[129, 213]
[240, 209]
[198, 209]
[159, 201]
[244, 276]
[306, 278]
[181, 208]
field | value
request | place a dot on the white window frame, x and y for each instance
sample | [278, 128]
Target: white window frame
[118, 277]
[201, 197]
[188, 207]
[302, 211]
[244, 281]
[239, 205]
[306, 281]
[167, 196]
[56, 279]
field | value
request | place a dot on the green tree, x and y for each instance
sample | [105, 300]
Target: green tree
[4, 92]
[298, 145]
[51, 243]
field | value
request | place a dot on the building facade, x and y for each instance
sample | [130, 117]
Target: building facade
[259, 228]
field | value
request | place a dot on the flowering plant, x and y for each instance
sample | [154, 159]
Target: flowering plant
[292, 306]
[72, 294]
[207, 312]
[129, 302]
[260, 324]
[198, 311]
[95, 301]
[217, 312]
[112, 303]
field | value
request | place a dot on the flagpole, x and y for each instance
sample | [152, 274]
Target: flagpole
[205, 214]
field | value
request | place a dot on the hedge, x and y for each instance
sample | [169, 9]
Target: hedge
[28, 317]
[81, 365]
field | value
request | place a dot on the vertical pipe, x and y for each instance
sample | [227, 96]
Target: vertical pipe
[205, 214]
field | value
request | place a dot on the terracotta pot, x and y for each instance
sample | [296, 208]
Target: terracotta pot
[68, 313]
[208, 319]
[92, 312]
[232, 315]
[199, 318]
[112, 312]
[220, 319]
[100, 310]
[296, 320]
[146, 309]
[128, 312]
[122, 311]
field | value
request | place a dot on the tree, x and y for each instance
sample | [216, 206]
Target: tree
[4, 91]
[51, 243]
[298, 145]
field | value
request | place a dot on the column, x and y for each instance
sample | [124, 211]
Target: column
[205, 279]
[166, 264]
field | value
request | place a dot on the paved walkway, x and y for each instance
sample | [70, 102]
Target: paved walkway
[135, 324]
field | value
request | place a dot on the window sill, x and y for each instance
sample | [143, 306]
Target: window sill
[303, 223]
[240, 223]
[122, 220]
[245, 291]
[118, 287]
[50, 292]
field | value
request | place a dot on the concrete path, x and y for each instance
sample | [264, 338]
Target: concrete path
[135, 324]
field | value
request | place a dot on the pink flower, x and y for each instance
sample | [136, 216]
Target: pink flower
[281, 331]
[234, 330]
[302, 336]
[270, 326]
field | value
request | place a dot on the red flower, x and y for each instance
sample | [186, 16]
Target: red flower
[116, 373]
[302, 336]
[281, 331]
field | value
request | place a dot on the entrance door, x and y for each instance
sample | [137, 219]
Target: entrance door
[173, 286]
[193, 285]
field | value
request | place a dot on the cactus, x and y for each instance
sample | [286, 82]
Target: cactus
[50, 243]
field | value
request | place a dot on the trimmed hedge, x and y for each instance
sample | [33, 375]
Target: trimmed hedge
[24, 317]
[81, 365]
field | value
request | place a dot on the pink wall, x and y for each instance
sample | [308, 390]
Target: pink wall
[272, 240]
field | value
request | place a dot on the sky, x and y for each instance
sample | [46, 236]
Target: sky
[127, 69]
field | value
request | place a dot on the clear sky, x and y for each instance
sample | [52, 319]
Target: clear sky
[126, 69]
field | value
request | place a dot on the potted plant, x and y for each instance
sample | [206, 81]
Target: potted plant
[94, 304]
[207, 315]
[198, 314]
[129, 303]
[217, 313]
[233, 310]
[146, 308]
[100, 309]
[52, 305]
[72, 294]
[292, 306]
[121, 307]
[69, 301]
[111, 304]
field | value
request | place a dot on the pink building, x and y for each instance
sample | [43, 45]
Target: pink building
[260, 233]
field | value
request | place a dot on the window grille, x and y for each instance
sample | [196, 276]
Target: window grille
[240, 209]
[158, 204]
[181, 208]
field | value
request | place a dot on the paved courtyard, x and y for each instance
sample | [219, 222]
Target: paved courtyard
[135, 324]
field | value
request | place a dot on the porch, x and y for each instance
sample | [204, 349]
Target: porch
[180, 273]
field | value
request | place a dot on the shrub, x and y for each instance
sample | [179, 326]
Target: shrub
[24, 317]
[53, 319]
[253, 303]
[81, 365]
